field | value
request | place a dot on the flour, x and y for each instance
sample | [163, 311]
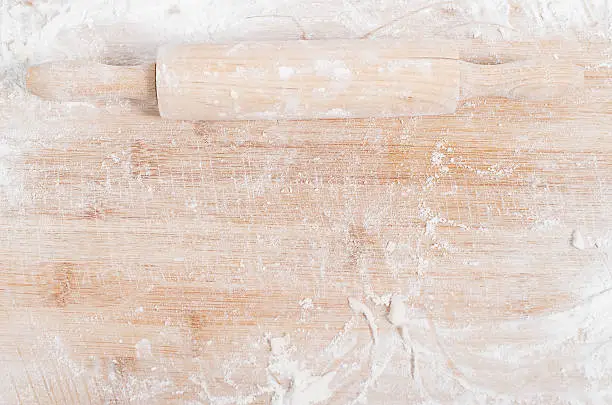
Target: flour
[293, 384]
[337, 113]
[279, 345]
[485, 19]
[143, 349]
[578, 241]
[334, 69]
[306, 304]
[360, 308]
[307, 390]
[382, 356]
[538, 352]
[285, 72]
[397, 310]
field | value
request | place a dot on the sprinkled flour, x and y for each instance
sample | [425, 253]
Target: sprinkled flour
[396, 344]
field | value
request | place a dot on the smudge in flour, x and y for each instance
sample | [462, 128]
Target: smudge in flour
[360, 308]
[397, 310]
[278, 345]
[306, 307]
[290, 382]
[337, 113]
[334, 69]
[306, 304]
[390, 248]
[143, 349]
[285, 72]
[578, 240]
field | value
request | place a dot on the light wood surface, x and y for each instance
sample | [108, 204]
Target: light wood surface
[149, 261]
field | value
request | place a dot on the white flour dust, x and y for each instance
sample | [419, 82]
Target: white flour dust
[564, 355]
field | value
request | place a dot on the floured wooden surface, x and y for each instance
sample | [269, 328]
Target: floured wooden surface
[457, 259]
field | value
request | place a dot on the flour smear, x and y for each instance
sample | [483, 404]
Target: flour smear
[387, 349]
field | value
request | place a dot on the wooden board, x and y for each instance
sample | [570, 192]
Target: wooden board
[145, 261]
[202, 239]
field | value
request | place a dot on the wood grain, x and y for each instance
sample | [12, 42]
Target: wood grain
[191, 236]
[146, 261]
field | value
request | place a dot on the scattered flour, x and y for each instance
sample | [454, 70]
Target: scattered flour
[37, 31]
[397, 310]
[577, 240]
[334, 69]
[143, 349]
[337, 113]
[285, 72]
[293, 384]
[279, 345]
[306, 304]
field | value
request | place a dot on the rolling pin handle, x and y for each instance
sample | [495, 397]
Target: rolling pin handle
[535, 79]
[86, 81]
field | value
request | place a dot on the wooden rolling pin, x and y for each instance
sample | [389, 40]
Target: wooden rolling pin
[306, 80]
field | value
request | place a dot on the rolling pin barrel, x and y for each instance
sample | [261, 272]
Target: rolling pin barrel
[305, 80]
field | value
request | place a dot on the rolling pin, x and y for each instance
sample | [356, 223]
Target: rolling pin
[290, 80]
